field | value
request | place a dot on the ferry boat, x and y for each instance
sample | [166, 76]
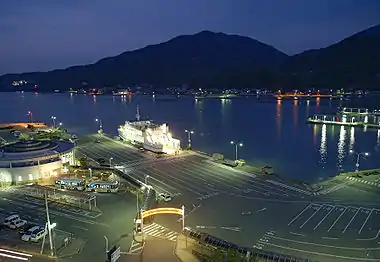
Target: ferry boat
[152, 137]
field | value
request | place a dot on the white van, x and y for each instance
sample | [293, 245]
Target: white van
[34, 234]
[8, 220]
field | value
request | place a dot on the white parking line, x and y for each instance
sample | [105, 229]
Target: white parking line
[365, 222]
[336, 220]
[352, 219]
[297, 234]
[297, 216]
[315, 212]
[323, 219]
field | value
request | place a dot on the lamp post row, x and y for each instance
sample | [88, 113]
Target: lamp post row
[53, 118]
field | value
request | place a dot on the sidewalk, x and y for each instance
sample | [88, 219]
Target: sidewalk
[73, 248]
[183, 249]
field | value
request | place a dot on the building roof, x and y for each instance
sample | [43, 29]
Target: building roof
[31, 149]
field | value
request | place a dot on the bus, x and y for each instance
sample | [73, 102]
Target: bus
[70, 183]
[103, 186]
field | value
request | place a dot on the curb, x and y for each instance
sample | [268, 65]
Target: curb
[78, 250]
[175, 250]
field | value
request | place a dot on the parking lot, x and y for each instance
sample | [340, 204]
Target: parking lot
[203, 179]
[337, 222]
[326, 232]
[106, 148]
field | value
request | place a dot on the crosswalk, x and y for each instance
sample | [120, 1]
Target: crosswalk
[292, 188]
[375, 184]
[136, 247]
[156, 230]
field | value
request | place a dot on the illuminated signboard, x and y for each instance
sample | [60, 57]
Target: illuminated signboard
[168, 210]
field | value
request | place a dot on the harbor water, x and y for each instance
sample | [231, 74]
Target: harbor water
[273, 132]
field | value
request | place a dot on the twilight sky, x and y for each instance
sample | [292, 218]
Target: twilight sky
[37, 35]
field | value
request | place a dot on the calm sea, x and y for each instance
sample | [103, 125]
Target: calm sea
[273, 133]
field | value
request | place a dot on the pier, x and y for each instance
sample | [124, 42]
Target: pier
[337, 120]
[359, 112]
[296, 96]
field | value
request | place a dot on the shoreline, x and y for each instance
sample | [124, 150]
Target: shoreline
[262, 173]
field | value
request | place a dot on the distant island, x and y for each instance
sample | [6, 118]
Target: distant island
[217, 61]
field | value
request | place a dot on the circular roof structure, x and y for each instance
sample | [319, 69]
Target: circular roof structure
[30, 149]
[29, 146]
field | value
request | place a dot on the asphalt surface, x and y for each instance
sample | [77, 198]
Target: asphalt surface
[116, 223]
[340, 224]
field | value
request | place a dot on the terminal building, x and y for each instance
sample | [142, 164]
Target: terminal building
[32, 160]
[153, 137]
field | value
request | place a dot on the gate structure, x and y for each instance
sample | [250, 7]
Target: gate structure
[162, 210]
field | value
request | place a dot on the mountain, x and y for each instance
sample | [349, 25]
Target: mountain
[352, 62]
[181, 60]
[217, 60]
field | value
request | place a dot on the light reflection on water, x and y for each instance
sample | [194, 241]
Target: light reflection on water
[323, 147]
[352, 138]
[341, 147]
[278, 118]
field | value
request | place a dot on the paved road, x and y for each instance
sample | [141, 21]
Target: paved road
[107, 148]
[342, 224]
[116, 222]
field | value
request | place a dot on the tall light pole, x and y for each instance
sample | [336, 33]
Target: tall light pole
[236, 148]
[111, 158]
[30, 114]
[53, 118]
[189, 133]
[363, 154]
[100, 123]
[50, 226]
[146, 179]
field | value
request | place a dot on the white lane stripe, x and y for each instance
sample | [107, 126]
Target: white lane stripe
[315, 212]
[323, 219]
[352, 219]
[336, 220]
[15, 253]
[365, 222]
[299, 214]
[15, 257]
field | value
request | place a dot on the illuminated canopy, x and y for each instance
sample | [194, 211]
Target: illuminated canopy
[167, 210]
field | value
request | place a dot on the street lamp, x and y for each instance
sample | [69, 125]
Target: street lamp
[189, 133]
[363, 154]
[146, 179]
[111, 158]
[49, 226]
[30, 114]
[100, 123]
[53, 118]
[236, 148]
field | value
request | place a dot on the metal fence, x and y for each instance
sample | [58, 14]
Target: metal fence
[240, 253]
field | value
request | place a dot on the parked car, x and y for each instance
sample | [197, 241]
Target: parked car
[8, 220]
[16, 224]
[22, 230]
[165, 197]
[34, 234]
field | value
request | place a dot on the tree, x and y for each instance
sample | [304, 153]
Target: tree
[83, 161]
[24, 137]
